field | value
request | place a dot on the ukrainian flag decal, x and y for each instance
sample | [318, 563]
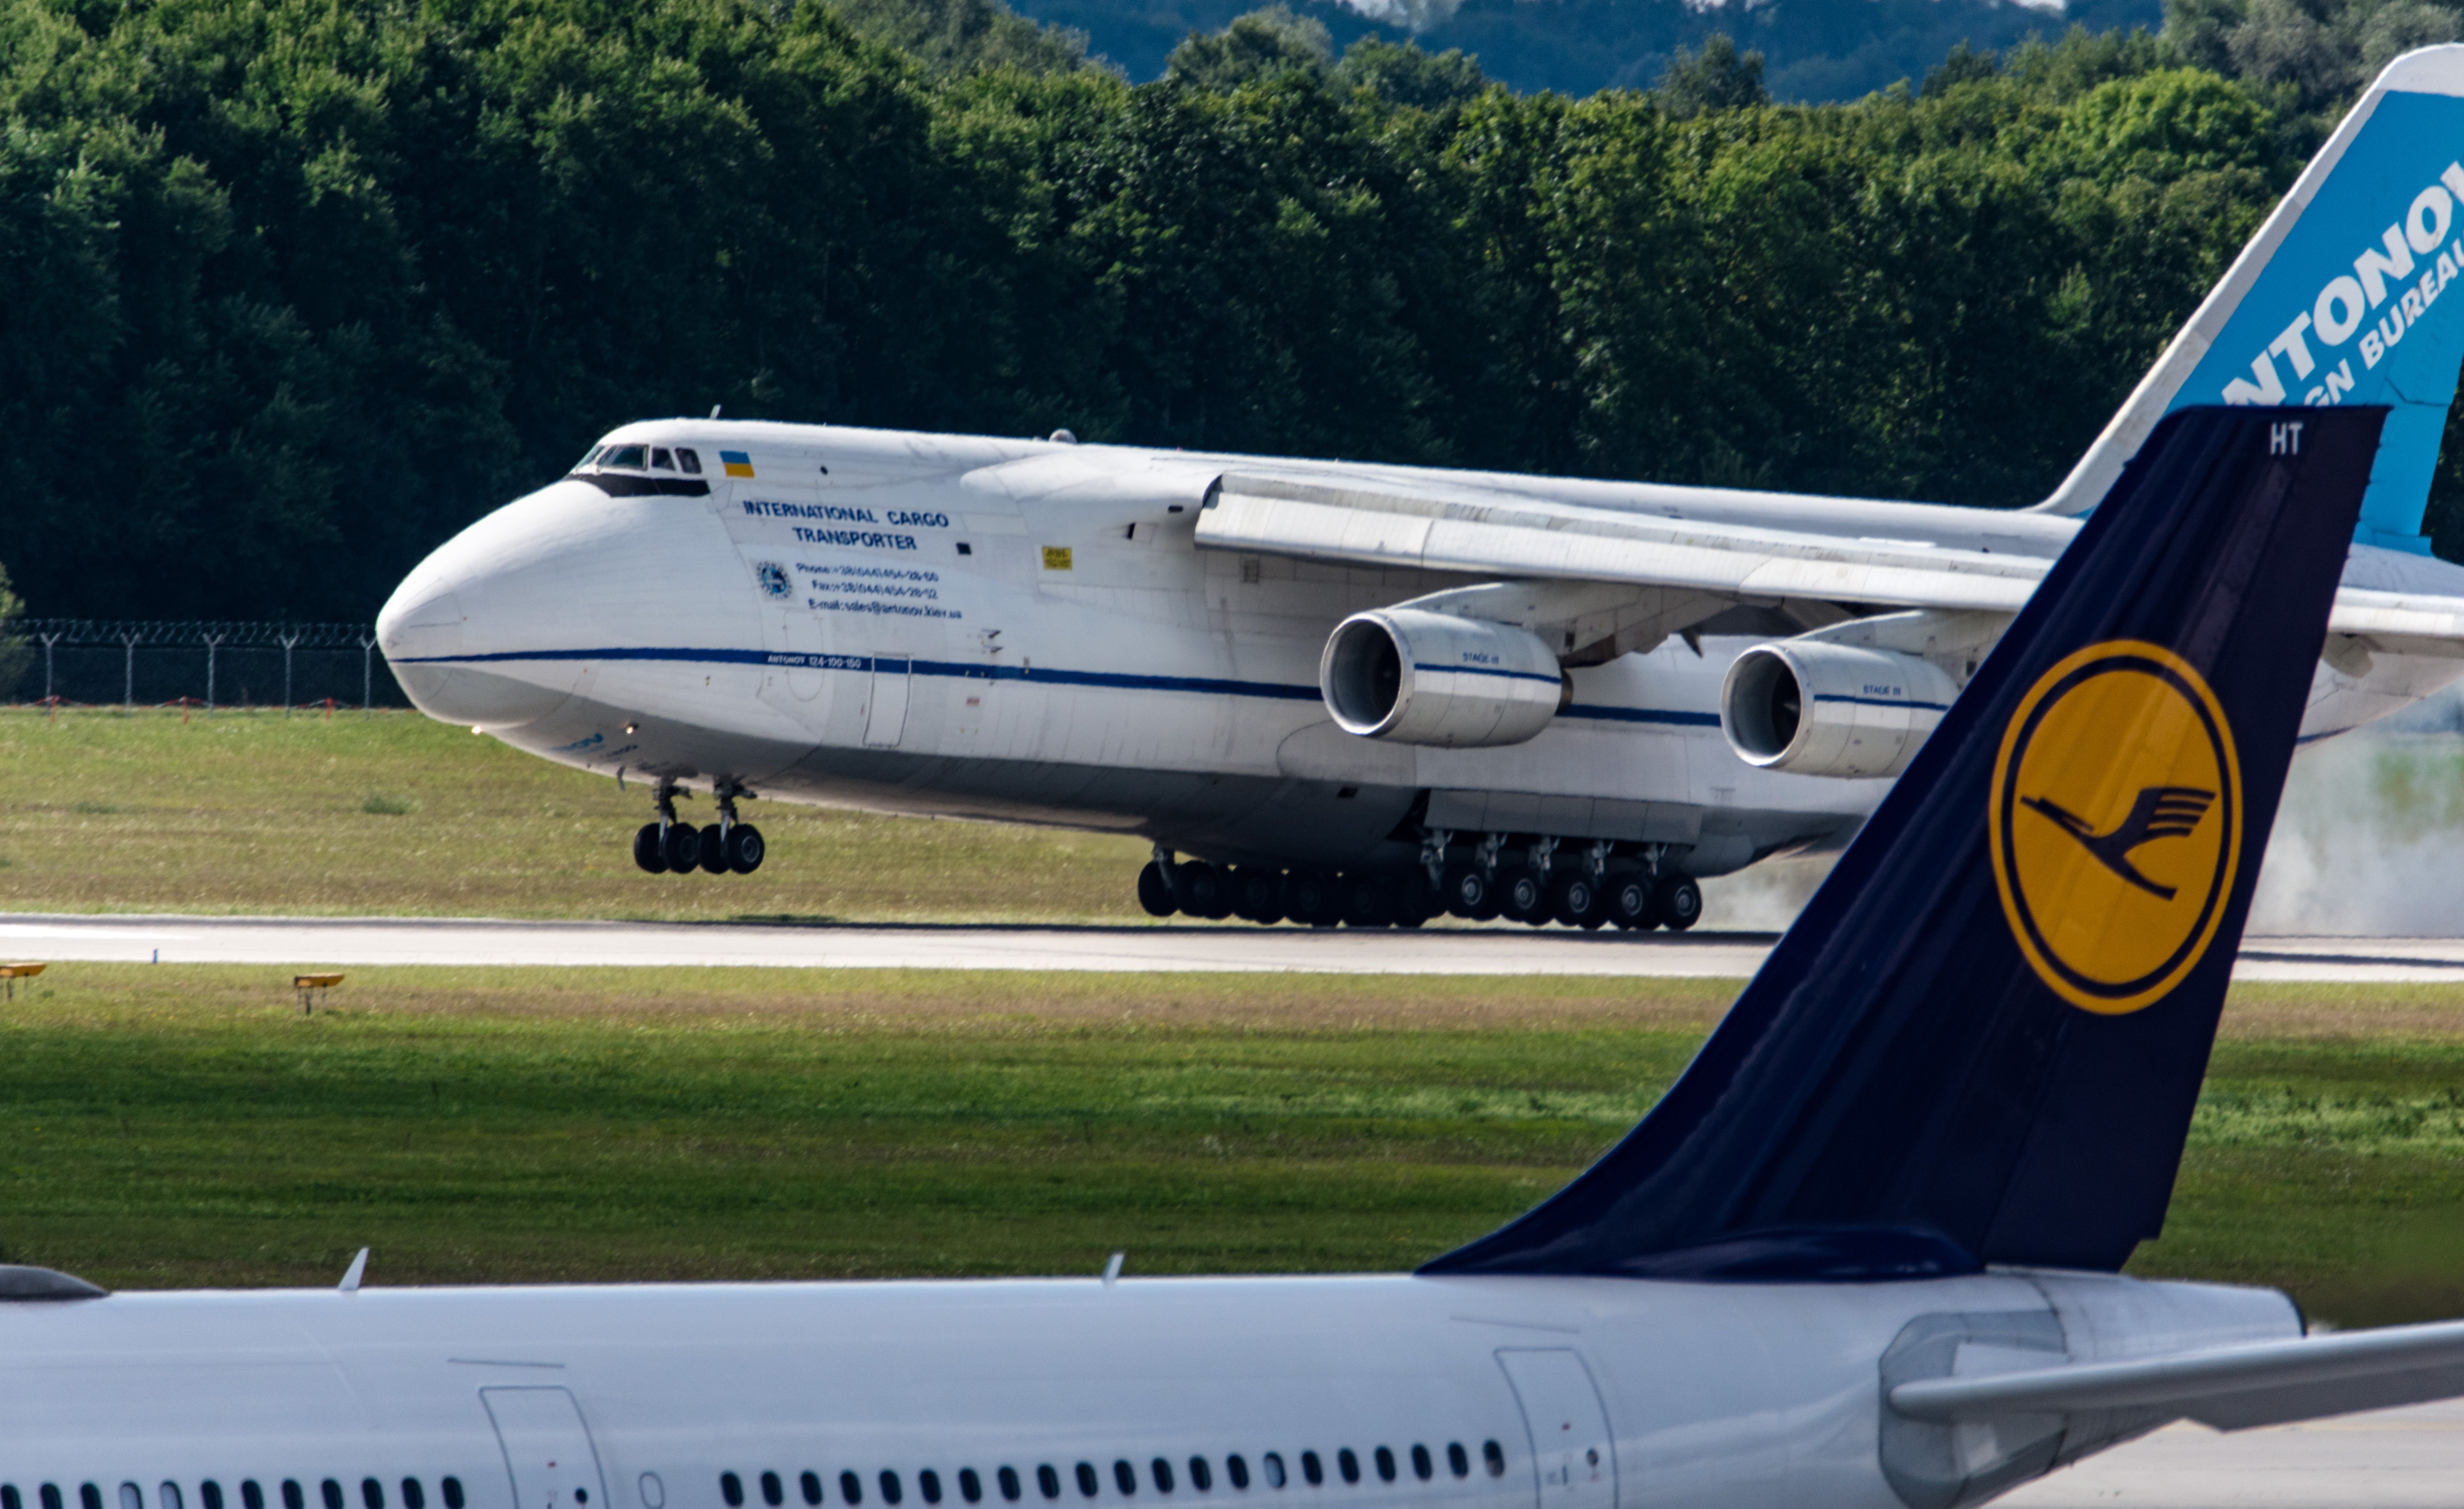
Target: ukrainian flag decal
[737, 463]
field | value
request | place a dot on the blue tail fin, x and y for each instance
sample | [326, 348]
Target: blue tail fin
[1982, 1041]
[2338, 299]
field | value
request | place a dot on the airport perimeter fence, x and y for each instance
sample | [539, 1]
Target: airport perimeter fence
[144, 664]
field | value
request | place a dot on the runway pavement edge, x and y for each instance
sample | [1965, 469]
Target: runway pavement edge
[821, 945]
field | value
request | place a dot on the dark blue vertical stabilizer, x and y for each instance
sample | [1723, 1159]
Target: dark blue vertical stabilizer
[1981, 1042]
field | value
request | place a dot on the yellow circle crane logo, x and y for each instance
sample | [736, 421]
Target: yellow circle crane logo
[2115, 824]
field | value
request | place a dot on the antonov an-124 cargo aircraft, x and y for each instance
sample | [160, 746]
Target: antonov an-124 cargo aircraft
[1370, 694]
[1864, 1254]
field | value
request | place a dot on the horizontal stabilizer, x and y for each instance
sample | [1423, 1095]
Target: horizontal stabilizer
[2231, 1388]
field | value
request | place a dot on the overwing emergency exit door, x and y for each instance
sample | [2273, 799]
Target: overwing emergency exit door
[1572, 1453]
[547, 1448]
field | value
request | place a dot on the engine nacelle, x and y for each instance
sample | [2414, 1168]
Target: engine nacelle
[1815, 708]
[1429, 678]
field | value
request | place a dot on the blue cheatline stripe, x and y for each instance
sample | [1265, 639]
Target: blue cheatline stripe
[1213, 685]
[1885, 702]
[1489, 671]
[732, 657]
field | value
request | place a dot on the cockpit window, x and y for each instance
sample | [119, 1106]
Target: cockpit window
[587, 457]
[624, 456]
[659, 460]
[689, 460]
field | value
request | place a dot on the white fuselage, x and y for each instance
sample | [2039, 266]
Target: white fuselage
[1026, 631]
[1561, 1393]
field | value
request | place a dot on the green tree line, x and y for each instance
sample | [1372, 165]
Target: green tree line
[292, 288]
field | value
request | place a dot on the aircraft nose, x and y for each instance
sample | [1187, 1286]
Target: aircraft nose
[437, 634]
[421, 621]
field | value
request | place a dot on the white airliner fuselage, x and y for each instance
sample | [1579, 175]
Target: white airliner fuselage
[1029, 631]
[1483, 1394]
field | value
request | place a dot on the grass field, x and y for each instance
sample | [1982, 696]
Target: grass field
[184, 1125]
[397, 814]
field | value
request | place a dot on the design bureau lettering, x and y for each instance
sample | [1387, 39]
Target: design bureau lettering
[2345, 306]
[2115, 824]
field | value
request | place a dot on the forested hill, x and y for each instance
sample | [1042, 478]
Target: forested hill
[1816, 50]
[290, 290]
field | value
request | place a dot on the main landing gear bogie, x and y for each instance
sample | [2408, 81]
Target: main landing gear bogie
[673, 846]
[1592, 888]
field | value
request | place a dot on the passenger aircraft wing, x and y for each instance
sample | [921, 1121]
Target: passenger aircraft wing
[1470, 529]
[2231, 1388]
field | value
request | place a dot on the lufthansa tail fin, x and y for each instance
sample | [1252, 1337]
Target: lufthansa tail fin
[2335, 301]
[1982, 1041]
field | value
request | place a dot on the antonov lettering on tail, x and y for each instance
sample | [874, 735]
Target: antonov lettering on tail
[1371, 694]
[1864, 1254]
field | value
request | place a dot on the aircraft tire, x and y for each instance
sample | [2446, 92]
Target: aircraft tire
[1466, 889]
[713, 850]
[1493, 905]
[1678, 903]
[681, 847]
[745, 850]
[1308, 896]
[1257, 894]
[1155, 891]
[1364, 901]
[1522, 897]
[1208, 891]
[1221, 907]
[1628, 903]
[1416, 900]
[1574, 900]
[646, 849]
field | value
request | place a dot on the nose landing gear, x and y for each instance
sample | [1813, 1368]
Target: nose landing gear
[672, 846]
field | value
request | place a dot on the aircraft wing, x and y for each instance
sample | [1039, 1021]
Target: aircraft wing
[1468, 529]
[2231, 1388]
[2418, 624]
[1481, 531]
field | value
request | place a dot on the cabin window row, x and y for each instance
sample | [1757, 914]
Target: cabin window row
[1160, 1476]
[168, 1495]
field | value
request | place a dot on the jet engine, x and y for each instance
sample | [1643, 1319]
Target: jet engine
[1419, 677]
[1816, 708]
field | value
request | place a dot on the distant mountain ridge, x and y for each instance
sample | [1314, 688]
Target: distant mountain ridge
[1814, 50]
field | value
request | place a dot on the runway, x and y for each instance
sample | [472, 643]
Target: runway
[2411, 1458]
[306, 941]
